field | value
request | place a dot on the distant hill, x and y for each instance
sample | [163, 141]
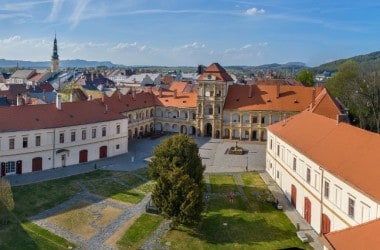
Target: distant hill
[77, 63]
[368, 62]
[273, 66]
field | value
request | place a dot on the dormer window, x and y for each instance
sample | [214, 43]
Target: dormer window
[209, 77]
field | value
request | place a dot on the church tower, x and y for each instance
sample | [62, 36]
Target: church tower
[54, 58]
[212, 91]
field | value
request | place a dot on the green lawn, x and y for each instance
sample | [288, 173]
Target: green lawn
[139, 231]
[17, 233]
[252, 224]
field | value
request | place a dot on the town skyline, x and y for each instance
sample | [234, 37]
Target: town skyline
[188, 33]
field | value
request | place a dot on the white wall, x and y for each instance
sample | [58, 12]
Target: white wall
[279, 164]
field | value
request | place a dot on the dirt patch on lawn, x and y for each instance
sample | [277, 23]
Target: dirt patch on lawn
[119, 233]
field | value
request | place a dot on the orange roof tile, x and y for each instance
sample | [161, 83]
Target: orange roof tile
[267, 81]
[188, 100]
[364, 236]
[121, 103]
[216, 70]
[350, 153]
[31, 117]
[264, 97]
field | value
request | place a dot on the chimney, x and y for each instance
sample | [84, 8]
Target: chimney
[58, 103]
[134, 94]
[313, 96]
[278, 90]
[160, 92]
[19, 100]
[175, 93]
[250, 91]
[89, 98]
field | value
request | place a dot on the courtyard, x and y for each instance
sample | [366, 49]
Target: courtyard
[97, 209]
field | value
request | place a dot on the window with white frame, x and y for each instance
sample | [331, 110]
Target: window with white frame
[11, 143]
[84, 134]
[93, 133]
[326, 192]
[25, 142]
[61, 138]
[308, 175]
[10, 167]
[73, 135]
[338, 196]
[351, 207]
[104, 131]
[294, 163]
[38, 140]
[118, 129]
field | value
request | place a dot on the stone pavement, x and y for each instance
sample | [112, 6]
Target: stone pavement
[213, 154]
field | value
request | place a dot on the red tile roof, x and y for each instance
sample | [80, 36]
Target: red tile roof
[364, 236]
[31, 117]
[350, 153]
[326, 105]
[121, 103]
[216, 70]
[264, 97]
[267, 81]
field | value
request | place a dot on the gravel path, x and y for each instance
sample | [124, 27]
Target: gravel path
[154, 241]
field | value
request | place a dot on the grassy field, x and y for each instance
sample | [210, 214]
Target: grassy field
[139, 231]
[252, 224]
[17, 233]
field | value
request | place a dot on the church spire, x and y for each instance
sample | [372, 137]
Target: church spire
[55, 57]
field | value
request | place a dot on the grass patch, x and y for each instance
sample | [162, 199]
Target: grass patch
[139, 231]
[18, 233]
[251, 224]
[222, 183]
[112, 189]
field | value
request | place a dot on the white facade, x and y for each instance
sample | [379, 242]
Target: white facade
[57, 147]
[341, 204]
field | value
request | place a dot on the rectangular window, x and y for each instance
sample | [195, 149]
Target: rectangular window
[117, 146]
[278, 150]
[38, 140]
[327, 189]
[338, 196]
[94, 133]
[25, 142]
[351, 207]
[11, 143]
[84, 134]
[254, 119]
[61, 138]
[117, 129]
[73, 136]
[308, 175]
[104, 131]
[294, 163]
[10, 167]
[263, 120]
[270, 144]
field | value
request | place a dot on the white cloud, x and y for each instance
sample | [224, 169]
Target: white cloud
[263, 44]
[76, 17]
[57, 4]
[10, 40]
[247, 46]
[194, 45]
[254, 11]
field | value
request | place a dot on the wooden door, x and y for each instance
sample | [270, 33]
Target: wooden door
[325, 224]
[83, 154]
[37, 164]
[19, 167]
[103, 152]
[307, 210]
[294, 196]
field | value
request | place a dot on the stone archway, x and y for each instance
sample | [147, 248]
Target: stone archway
[208, 131]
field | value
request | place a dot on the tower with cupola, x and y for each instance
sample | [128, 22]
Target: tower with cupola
[212, 91]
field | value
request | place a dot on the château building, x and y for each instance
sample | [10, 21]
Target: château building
[101, 127]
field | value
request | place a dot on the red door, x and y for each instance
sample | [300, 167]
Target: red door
[19, 167]
[83, 156]
[307, 210]
[293, 197]
[37, 164]
[325, 224]
[103, 152]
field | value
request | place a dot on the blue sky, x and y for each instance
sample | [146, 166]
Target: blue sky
[190, 32]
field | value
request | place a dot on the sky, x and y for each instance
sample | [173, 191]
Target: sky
[190, 32]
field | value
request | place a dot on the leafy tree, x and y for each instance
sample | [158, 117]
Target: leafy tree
[178, 170]
[306, 77]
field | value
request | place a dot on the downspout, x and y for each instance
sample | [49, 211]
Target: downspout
[53, 148]
[322, 188]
